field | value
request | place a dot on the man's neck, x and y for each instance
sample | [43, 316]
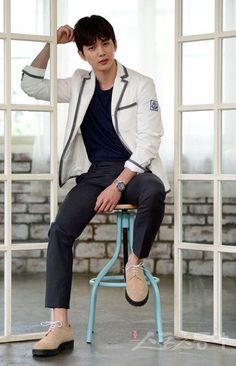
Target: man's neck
[106, 79]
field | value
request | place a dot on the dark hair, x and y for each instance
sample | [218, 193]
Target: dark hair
[88, 29]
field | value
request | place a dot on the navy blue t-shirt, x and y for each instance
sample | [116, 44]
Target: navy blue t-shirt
[100, 138]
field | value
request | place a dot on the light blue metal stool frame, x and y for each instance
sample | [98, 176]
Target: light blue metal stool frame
[125, 223]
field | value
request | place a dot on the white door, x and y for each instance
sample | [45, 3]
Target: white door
[28, 167]
[205, 171]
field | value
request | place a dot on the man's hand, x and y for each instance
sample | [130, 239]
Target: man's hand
[65, 34]
[108, 199]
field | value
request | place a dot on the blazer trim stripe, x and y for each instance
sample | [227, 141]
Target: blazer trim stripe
[31, 75]
[71, 132]
[127, 106]
[118, 105]
[140, 166]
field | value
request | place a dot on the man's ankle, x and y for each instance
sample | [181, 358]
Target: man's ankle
[134, 260]
[61, 315]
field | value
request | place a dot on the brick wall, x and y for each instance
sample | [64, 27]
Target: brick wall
[31, 219]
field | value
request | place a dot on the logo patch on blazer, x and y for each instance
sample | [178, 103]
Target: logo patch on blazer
[154, 105]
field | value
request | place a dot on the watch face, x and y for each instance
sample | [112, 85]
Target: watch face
[121, 186]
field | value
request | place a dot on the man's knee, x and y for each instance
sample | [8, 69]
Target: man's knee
[154, 190]
[59, 233]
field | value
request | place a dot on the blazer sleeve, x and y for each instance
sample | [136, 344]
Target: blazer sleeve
[35, 85]
[149, 128]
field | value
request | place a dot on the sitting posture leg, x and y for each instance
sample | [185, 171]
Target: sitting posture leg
[147, 192]
[74, 214]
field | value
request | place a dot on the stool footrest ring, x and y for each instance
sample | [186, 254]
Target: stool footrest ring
[107, 281]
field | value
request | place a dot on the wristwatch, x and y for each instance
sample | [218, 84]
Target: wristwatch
[119, 185]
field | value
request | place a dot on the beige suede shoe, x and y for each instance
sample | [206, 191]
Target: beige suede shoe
[58, 337]
[136, 286]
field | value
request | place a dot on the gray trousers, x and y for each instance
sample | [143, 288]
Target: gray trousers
[145, 190]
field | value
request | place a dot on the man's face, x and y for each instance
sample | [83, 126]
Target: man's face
[99, 55]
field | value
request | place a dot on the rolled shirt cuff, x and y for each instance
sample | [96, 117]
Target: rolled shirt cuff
[133, 167]
[34, 71]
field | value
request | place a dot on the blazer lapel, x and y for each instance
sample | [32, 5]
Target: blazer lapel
[119, 88]
[87, 92]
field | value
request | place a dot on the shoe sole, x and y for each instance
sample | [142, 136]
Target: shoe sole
[136, 303]
[53, 352]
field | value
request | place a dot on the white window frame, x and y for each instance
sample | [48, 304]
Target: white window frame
[216, 178]
[8, 247]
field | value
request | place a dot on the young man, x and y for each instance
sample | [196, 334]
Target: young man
[111, 147]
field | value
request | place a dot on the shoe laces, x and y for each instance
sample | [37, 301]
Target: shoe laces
[53, 324]
[135, 266]
[135, 269]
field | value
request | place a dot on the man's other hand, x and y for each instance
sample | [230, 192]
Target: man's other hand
[65, 34]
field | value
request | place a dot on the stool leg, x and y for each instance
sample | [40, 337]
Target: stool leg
[131, 231]
[157, 305]
[91, 314]
[128, 227]
[102, 273]
[125, 246]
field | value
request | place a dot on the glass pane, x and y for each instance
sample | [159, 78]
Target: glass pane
[1, 16]
[229, 15]
[229, 70]
[1, 142]
[1, 71]
[1, 293]
[1, 213]
[30, 286]
[229, 295]
[30, 211]
[197, 208]
[197, 142]
[229, 142]
[229, 213]
[198, 70]
[35, 19]
[197, 292]
[30, 142]
[23, 53]
[197, 21]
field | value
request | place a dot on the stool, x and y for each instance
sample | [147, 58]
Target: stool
[124, 230]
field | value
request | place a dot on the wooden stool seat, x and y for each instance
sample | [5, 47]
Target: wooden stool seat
[125, 206]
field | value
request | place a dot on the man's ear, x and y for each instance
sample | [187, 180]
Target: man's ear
[82, 55]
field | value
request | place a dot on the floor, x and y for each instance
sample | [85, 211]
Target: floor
[123, 334]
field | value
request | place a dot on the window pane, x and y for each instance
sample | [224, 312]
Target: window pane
[30, 286]
[1, 142]
[30, 211]
[197, 208]
[229, 295]
[229, 70]
[30, 142]
[1, 293]
[229, 213]
[1, 71]
[198, 16]
[1, 16]
[197, 291]
[30, 16]
[1, 213]
[23, 54]
[197, 142]
[229, 15]
[198, 72]
[229, 142]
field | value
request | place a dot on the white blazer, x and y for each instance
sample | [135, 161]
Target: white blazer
[135, 115]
